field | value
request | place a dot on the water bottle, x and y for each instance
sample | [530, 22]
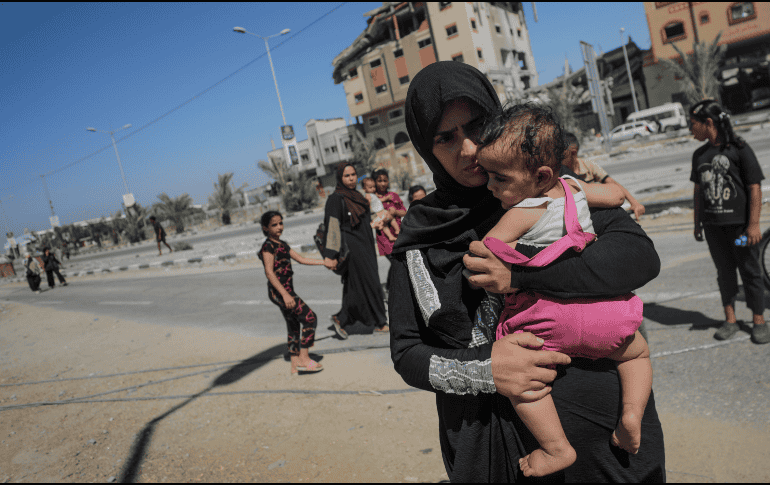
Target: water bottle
[741, 241]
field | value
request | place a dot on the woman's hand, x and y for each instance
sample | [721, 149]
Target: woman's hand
[289, 302]
[330, 263]
[519, 373]
[493, 274]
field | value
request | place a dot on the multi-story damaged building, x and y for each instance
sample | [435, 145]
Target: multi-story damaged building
[744, 27]
[402, 38]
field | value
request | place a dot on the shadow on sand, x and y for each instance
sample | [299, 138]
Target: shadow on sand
[130, 472]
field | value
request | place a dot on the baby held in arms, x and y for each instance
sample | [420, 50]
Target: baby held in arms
[381, 219]
[522, 150]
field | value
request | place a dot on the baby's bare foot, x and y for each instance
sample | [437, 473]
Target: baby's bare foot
[540, 463]
[628, 434]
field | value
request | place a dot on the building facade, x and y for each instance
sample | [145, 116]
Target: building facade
[402, 38]
[616, 89]
[329, 142]
[745, 29]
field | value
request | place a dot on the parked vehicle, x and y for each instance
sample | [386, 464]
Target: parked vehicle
[760, 98]
[636, 130]
[666, 117]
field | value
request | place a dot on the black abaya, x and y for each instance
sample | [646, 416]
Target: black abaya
[363, 304]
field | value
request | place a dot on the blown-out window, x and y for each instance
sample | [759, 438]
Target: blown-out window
[674, 31]
[741, 12]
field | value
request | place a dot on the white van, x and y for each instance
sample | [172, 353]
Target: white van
[666, 117]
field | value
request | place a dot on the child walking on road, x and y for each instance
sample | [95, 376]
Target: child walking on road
[276, 255]
[522, 150]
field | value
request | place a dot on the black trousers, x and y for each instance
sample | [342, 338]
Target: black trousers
[49, 274]
[727, 258]
[34, 282]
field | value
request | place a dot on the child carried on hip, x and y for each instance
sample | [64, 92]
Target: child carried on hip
[522, 150]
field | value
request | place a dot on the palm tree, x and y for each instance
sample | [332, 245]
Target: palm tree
[699, 69]
[135, 216]
[175, 209]
[223, 197]
[363, 152]
[298, 191]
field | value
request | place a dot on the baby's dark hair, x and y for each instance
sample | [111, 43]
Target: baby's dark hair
[710, 109]
[266, 218]
[413, 190]
[363, 181]
[531, 128]
[570, 139]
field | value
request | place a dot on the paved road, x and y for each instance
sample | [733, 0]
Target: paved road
[759, 142]
[151, 248]
[693, 372]
[234, 301]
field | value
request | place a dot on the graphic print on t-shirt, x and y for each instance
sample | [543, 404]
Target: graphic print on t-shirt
[717, 184]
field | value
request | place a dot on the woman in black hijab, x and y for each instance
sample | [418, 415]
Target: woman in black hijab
[434, 344]
[347, 217]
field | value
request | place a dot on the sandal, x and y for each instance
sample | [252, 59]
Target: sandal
[384, 329]
[313, 367]
[338, 328]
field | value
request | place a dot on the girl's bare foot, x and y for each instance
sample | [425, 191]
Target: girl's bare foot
[540, 463]
[628, 435]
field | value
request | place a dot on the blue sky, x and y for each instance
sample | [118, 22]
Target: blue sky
[65, 67]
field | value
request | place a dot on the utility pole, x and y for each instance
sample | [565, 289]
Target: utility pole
[594, 85]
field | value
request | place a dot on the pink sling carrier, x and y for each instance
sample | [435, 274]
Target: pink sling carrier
[579, 327]
[575, 239]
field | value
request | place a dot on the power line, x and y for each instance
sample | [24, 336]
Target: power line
[147, 125]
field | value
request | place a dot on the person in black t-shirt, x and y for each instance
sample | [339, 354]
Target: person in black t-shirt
[728, 202]
[160, 235]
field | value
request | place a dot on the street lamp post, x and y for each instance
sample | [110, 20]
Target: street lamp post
[112, 137]
[288, 141]
[241, 30]
[628, 69]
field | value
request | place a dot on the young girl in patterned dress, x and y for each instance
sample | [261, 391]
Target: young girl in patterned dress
[276, 255]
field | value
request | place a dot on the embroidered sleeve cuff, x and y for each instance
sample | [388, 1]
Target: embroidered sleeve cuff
[458, 377]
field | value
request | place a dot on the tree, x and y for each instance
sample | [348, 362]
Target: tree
[563, 100]
[300, 193]
[297, 190]
[363, 152]
[135, 223]
[700, 69]
[223, 198]
[176, 209]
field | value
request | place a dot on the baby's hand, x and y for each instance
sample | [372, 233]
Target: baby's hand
[386, 198]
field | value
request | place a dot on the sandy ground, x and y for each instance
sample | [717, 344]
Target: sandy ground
[172, 404]
[211, 432]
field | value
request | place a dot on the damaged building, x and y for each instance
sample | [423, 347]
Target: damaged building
[402, 38]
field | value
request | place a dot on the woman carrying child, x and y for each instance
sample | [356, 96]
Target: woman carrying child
[522, 149]
[381, 219]
[301, 322]
[432, 307]
[392, 203]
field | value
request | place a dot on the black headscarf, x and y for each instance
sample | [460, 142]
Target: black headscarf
[452, 208]
[356, 203]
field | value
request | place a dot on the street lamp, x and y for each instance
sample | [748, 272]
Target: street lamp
[128, 199]
[628, 68]
[241, 30]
